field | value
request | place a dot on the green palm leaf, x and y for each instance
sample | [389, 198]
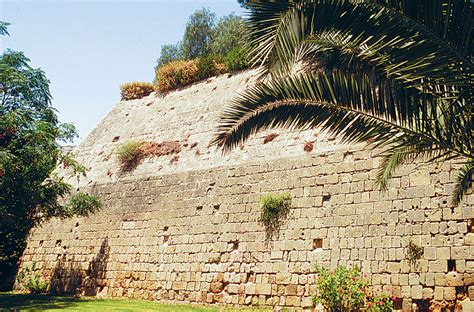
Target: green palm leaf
[397, 73]
[463, 182]
[404, 48]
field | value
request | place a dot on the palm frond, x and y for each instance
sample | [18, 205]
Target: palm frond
[345, 104]
[463, 182]
[411, 53]
[451, 21]
[408, 148]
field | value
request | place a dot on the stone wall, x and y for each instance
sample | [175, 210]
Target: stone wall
[190, 231]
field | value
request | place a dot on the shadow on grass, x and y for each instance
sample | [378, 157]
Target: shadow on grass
[17, 302]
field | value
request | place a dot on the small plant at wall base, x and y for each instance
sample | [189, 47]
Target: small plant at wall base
[130, 154]
[31, 280]
[414, 252]
[274, 207]
[344, 290]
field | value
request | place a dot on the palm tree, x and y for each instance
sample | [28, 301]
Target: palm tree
[397, 74]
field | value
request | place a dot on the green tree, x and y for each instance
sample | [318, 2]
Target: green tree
[397, 74]
[198, 34]
[230, 32]
[169, 53]
[30, 190]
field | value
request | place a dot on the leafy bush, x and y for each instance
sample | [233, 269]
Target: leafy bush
[130, 154]
[176, 74]
[209, 66]
[237, 59]
[84, 204]
[136, 90]
[31, 280]
[274, 207]
[344, 290]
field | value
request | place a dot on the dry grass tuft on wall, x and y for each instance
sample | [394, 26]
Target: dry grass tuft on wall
[131, 154]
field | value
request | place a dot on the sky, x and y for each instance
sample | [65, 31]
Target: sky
[88, 48]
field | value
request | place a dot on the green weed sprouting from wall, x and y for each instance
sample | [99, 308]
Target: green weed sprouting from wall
[130, 154]
[274, 207]
[414, 252]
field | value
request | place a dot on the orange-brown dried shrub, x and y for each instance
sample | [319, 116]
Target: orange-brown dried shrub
[184, 72]
[176, 74]
[136, 90]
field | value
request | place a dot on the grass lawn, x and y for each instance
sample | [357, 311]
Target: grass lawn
[22, 302]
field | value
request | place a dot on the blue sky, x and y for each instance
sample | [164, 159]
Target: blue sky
[88, 48]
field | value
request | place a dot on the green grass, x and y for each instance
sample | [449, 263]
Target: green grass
[23, 302]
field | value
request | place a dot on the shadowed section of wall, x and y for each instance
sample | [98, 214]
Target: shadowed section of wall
[190, 231]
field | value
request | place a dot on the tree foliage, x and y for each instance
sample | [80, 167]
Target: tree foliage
[170, 53]
[397, 74]
[30, 190]
[230, 33]
[207, 37]
[198, 34]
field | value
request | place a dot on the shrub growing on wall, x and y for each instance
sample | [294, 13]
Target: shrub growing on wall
[130, 154]
[135, 90]
[344, 290]
[209, 66]
[176, 74]
[273, 208]
[182, 73]
[237, 59]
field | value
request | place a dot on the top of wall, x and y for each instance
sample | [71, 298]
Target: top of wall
[191, 116]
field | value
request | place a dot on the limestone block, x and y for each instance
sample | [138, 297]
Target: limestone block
[416, 292]
[470, 292]
[454, 279]
[462, 252]
[438, 293]
[468, 305]
[263, 289]
[427, 294]
[292, 301]
[469, 239]
[250, 289]
[449, 293]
